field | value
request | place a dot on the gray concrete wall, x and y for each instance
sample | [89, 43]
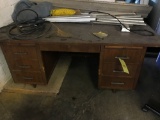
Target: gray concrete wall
[6, 9]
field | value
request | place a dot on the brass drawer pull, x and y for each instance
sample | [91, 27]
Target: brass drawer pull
[20, 53]
[116, 71]
[117, 83]
[124, 57]
[24, 66]
[28, 78]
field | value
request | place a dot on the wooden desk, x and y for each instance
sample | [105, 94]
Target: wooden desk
[32, 61]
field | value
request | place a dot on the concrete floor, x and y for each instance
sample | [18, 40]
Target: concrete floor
[79, 98]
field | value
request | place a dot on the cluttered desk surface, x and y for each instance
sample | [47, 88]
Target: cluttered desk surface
[85, 33]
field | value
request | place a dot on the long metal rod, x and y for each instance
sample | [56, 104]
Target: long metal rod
[126, 23]
[116, 22]
[122, 20]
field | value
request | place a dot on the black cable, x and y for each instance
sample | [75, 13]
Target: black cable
[29, 29]
[138, 31]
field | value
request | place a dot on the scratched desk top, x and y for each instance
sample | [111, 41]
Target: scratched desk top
[83, 33]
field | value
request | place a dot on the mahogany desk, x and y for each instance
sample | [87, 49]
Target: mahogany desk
[32, 61]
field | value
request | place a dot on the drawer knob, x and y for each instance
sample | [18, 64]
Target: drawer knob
[122, 57]
[117, 83]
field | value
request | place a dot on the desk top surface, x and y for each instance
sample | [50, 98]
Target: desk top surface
[83, 33]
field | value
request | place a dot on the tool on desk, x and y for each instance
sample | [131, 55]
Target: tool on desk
[100, 34]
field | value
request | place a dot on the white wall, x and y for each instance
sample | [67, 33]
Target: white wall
[5, 74]
[6, 9]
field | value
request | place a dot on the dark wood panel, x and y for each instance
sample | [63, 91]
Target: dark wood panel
[25, 65]
[20, 52]
[115, 69]
[129, 55]
[50, 60]
[110, 67]
[115, 82]
[89, 48]
[23, 62]
[28, 77]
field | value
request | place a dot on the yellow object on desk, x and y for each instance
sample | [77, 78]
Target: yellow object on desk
[124, 66]
[63, 12]
[100, 34]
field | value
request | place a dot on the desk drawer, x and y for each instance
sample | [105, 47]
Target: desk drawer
[129, 54]
[27, 77]
[115, 69]
[25, 65]
[20, 52]
[116, 82]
